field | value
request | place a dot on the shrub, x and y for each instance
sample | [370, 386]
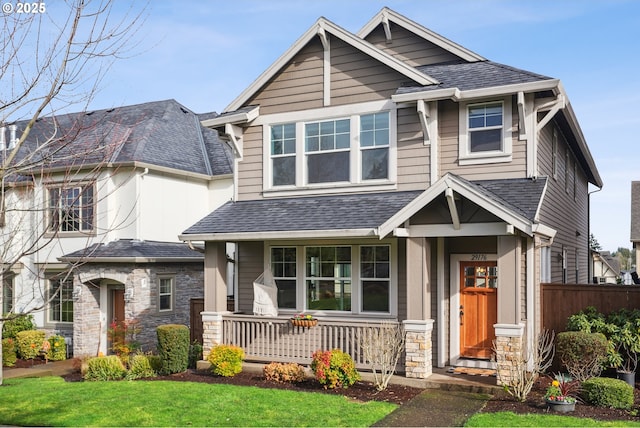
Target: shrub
[606, 392]
[284, 372]
[173, 348]
[140, 367]
[583, 354]
[104, 368]
[20, 323]
[9, 355]
[57, 348]
[122, 337]
[156, 362]
[334, 368]
[29, 343]
[195, 354]
[226, 360]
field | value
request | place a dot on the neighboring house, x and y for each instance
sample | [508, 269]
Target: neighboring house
[606, 268]
[113, 193]
[635, 222]
[395, 176]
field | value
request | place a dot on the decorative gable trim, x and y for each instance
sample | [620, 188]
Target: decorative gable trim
[447, 185]
[386, 15]
[321, 28]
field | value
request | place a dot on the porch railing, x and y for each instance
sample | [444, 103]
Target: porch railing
[266, 339]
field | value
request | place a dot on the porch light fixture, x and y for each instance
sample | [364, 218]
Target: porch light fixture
[76, 293]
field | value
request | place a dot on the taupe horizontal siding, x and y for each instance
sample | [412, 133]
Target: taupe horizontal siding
[413, 155]
[448, 124]
[298, 86]
[409, 47]
[250, 261]
[562, 212]
[356, 77]
[250, 168]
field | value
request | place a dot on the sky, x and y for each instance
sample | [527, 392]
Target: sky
[205, 53]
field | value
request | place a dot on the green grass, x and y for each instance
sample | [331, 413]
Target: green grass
[51, 401]
[510, 419]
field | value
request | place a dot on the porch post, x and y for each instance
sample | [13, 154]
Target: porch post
[418, 284]
[215, 294]
[418, 349]
[509, 351]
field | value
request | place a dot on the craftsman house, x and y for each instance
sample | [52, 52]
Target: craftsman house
[395, 176]
[111, 192]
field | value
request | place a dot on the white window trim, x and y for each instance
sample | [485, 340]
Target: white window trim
[173, 293]
[62, 186]
[465, 157]
[49, 312]
[356, 289]
[352, 112]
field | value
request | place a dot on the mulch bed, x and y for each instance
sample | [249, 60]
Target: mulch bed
[397, 394]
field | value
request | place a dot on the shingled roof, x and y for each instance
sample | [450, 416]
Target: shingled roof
[473, 75]
[135, 250]
[363, 212]
[161, 133]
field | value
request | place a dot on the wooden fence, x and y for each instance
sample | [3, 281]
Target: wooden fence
[560, 301]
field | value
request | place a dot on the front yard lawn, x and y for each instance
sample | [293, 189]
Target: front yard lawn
[510, 419]
[51, 401]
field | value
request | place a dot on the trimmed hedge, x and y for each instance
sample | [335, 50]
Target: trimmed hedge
[29, 343]
[607, 392]
[105, 368]
[140, 367]
[13, 326]
[226, 360]
[582, 353]
[173, 348]
[58, 349]
[9, 352]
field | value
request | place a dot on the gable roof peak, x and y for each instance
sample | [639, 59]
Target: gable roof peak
[385, 15]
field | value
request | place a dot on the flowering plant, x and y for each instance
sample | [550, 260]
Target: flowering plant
[302, 316]
[562, 389]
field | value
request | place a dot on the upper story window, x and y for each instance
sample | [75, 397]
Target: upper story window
[353, 149]
[71, 209]
[327, 148]
[485, 132]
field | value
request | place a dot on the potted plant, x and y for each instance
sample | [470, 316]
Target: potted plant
[560, 395]
[627, 340]
[303, 320]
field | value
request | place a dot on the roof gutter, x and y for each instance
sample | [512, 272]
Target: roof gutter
[285, 234]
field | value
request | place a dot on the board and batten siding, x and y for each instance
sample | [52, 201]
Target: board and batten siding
[448, 129]
[250, 259]
[409, 47]
[567, 214]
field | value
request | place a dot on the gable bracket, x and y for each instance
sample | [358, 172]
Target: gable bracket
[387, 27]
[522, 128]
[423, 114]
[552, 107]
[455, 217]
[234, 136]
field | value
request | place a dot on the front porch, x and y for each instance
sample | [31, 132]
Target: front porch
[267, 339]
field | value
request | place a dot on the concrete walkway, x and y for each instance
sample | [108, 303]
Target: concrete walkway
[54, 368]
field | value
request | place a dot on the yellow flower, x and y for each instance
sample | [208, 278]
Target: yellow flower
[555, 383]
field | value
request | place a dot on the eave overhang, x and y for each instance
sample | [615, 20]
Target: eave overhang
[290, 234]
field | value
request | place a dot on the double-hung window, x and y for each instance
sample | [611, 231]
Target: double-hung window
[328, 278]
[354, 149]
[165, 294]
[327, 149]
[485, 135]
[71, 209]
[60, 300]
[375, 278]
[283, 266]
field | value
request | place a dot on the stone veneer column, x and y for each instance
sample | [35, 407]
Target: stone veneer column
[509, 348]
[418, 348]
[211, 331]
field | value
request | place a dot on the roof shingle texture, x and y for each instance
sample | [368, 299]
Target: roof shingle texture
[130, 248]
[161, 133]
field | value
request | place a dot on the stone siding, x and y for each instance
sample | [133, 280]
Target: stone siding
[140, 282]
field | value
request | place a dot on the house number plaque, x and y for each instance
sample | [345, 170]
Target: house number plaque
[479, 257]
